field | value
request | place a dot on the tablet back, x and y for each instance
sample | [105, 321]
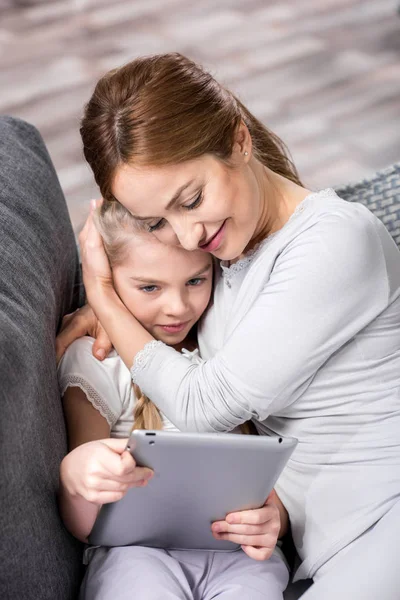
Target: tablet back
[198, 479]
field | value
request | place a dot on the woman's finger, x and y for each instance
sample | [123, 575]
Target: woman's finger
[245, 529]
[95, 265]
[254, 516]
[75, 329]
[67, 319]
[265, 541]
[257, 553]
[102, 346]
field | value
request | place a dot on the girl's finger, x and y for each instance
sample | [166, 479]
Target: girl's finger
[103, 484]
[104, 497]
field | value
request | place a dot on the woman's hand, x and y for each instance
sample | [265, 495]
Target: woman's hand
[102, 471]
[96, 269]
[257, 530]
[79, 323]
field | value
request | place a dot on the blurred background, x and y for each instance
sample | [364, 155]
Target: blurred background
[323, 74]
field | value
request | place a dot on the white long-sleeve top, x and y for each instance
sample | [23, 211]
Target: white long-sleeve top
[304, 337]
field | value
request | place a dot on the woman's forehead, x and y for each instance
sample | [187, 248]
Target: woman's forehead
[141, 188]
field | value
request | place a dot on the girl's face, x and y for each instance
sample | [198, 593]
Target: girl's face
[166, 288]
[200, 204]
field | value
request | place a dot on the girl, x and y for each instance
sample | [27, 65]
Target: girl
[303, 335]
[167, 289]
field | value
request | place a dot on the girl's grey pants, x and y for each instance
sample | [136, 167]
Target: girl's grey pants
[139, 573]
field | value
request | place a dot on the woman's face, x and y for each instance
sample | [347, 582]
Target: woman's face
[166, 288]
[200, 204]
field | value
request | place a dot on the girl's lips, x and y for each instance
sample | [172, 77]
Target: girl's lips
[215, 241]
[174, 328]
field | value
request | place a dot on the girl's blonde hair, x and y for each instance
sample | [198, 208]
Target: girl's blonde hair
[116, 226]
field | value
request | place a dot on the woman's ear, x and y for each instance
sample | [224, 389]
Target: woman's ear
[242, 146]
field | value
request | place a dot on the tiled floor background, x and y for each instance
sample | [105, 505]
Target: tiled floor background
[323, 74]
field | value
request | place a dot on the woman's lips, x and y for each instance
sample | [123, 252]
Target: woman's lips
[176, 328]
[215, 241]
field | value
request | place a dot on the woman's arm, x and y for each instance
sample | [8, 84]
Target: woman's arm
[322, 289]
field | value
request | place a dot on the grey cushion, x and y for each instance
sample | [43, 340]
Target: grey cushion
[39, 560]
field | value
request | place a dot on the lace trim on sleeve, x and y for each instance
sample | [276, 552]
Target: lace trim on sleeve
[142, 357]
[92, 395]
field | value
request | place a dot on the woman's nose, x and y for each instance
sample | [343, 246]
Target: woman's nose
[189, 235]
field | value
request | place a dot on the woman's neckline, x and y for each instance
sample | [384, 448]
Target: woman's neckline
[229, 270]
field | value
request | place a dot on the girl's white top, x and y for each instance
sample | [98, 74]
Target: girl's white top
[304, 337]
[107, 384]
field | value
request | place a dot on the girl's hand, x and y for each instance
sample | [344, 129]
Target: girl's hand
[102, 471]
[257, 530]
[79, 323]
[95, 266]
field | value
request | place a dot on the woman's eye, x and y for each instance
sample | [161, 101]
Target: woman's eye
[195, 202]
[148, 288]
[156, 226]
[196, 281]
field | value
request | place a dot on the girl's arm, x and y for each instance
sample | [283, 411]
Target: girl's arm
[96, 470]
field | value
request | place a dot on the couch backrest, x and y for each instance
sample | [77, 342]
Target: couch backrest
[381, 194]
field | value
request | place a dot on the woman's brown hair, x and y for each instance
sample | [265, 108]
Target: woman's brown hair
[163, 110]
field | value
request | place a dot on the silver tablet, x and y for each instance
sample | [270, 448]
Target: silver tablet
[198, 478]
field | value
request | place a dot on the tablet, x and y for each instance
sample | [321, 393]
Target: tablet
[198, 478]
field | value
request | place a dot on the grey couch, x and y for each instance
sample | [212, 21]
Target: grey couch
[39, 282]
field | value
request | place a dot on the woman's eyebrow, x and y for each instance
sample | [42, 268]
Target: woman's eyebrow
[171, 203]
[178, 193]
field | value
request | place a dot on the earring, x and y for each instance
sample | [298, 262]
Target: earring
[246, 153]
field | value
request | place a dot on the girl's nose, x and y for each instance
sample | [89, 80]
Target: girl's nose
[177, 305]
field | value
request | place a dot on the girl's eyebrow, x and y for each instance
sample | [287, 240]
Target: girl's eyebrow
[171, 203]
[201, 272]
[149, 281]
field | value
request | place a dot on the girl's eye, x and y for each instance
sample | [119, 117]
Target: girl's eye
[196, 281]
[156, 226]
[195, 202]
[148, 288]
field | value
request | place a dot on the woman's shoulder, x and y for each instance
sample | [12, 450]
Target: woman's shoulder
[328, 219]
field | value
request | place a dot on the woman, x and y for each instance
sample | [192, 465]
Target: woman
[303, 335]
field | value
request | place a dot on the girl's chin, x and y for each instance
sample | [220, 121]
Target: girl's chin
[171, 340]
